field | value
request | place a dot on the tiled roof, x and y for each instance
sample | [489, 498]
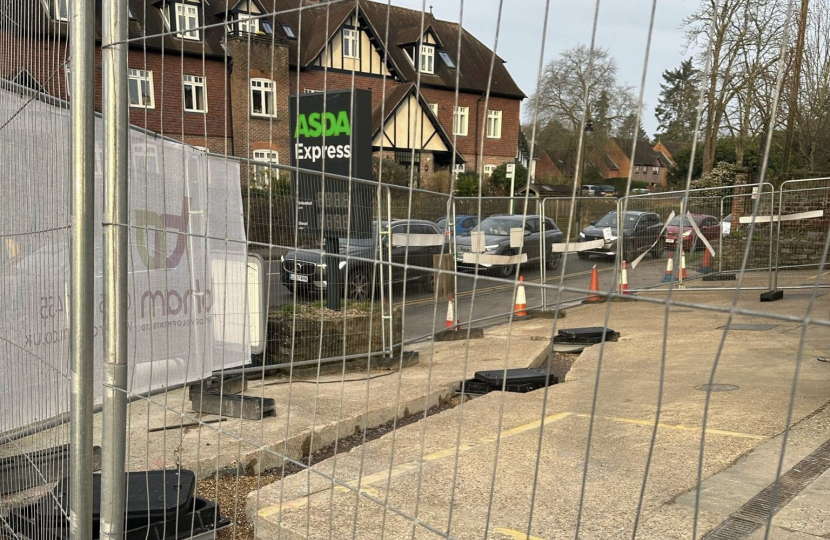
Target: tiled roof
[322, 21]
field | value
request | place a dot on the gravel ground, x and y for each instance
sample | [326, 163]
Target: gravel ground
[230, 491]
[560, 364]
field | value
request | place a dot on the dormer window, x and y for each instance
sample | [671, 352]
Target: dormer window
[247, 24]
[61, 10]
[186, 20]
[427, 59]
[289, 32]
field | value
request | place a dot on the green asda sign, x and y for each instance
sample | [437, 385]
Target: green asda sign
[315, 124]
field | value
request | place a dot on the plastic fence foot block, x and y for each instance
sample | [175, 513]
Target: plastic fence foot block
[26, 471]
[233, 406]
[458, 335]
[719, 277]
[772, 296]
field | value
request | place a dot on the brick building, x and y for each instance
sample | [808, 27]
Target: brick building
[613, 160]
[412, 76]
[219, 75]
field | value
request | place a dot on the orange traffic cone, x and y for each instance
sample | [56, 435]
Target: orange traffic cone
[623, 288]
[681, 272]
[520, 307]
[594, 298]
[668, 276]
[706, 266]
[451, 323]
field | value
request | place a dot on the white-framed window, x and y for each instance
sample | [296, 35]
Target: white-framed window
[459, 168]
[311, 91]
[636, 169]
[289, 32]
[61, 10]
[351, 46]
[488, 170]
[655, 170]
[268, 156]
[246, 24]
[445, 56]
[194, 94]
[263, 97]
[434, 108]
[460, 120]
[494, 124]
[140, 87]
[187, 21]
[427, 59]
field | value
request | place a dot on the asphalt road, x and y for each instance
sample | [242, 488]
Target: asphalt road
[483, 300]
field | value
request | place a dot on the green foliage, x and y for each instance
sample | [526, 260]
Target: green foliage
[722, 175]
[466, 185]
[273, 181]
[725, 152]
[393, 172]
[676, 109]
[500, 184]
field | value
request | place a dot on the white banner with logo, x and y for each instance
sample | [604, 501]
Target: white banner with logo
[187, 262]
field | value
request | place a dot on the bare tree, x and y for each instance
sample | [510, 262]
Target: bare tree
[563, 85]
[813, 115]
[723, 28]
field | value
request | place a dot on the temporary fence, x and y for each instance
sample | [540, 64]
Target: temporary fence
[228, 291]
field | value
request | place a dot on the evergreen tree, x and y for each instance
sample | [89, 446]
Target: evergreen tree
[677, 106]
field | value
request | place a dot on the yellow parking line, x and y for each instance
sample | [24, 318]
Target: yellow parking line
[384, 475]
[680, 427]
[516, 535]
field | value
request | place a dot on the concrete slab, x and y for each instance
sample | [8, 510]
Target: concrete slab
[309, 416]
[474, 471]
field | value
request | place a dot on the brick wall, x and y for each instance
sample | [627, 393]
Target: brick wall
[259, 58]
[496, 151]
[43, 59]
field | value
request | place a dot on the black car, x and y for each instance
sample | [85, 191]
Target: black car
[640, 232]
[305, 270]
[497, 242]
[606, 191]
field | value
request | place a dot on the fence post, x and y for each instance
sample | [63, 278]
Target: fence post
[82, 295]
[116, 135]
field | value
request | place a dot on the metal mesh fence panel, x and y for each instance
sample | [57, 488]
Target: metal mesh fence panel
[325, 335]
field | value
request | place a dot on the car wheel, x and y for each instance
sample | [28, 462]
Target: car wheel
[428, 283]
[359, 285]
[693, 247]
[553, 261]
[628, 253]
[658, 249]
[504, 271]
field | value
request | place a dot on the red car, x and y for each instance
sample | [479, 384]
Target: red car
[708, 225]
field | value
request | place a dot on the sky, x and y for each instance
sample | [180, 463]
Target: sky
[622, 28]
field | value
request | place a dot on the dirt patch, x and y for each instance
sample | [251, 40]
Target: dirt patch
[230, 491]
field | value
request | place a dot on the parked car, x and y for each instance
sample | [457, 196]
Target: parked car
[726, 225]
[640, 191]
[497, 242]
[589, 190]
[708, 225]
[641, 230]
[607, 191]
[463, 224]
[305, 270]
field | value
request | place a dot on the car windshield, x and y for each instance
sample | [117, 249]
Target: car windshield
[442, 223]
[498, 226]
[676, 221]
[610, 220]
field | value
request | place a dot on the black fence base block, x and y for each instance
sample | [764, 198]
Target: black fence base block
[233, 406]
[772, 296]
[25, 471]
[519, 380]
[719, 277]
[403, 359]
[459, 335]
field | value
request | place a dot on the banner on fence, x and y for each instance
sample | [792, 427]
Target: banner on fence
[187, 309]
